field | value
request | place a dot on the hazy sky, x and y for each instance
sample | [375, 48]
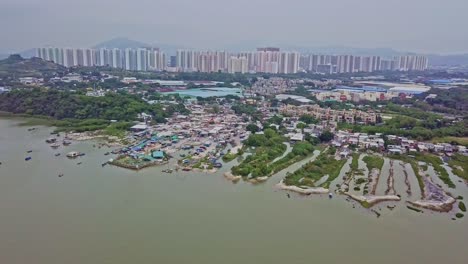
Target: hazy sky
[439, 26]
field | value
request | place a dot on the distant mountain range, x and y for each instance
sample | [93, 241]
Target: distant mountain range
[122, 43]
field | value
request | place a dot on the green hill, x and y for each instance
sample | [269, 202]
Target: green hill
[16, 66]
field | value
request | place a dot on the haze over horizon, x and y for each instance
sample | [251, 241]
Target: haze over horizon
[428, 26]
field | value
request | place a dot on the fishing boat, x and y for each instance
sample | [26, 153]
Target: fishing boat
[60, 175]
[51, 140]
[73, 154]
[57, 154]
[29, 151]
[55, 145]
[186, 169]
[27, 158]
[104, 164]
[107, 153]
[66, 143]
[167, 171]
[79, 163]
[330, 195]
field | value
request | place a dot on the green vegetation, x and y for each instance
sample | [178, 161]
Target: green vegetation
[230, 156]
[414, 166]
[431, 159]
[326, 136]
[117, 129]
[436, 163]
[454, 100]
[16, 66]
[355, 162]
[299, 152]
[308, 119]
[459, 215]
[76, 112]
[360, 181]
[420, 129]
[462, 206]
[252, 128]
[62, 105]
[373, 162]
[268, 146]
[315, 170]
[459, 165]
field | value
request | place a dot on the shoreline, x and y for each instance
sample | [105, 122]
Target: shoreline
[371, 200]
[304, 191]
[442, 207]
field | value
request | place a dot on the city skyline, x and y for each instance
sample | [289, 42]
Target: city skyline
[417, 26]
[264, 60]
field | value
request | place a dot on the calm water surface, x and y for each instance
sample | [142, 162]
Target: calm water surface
[111, 215]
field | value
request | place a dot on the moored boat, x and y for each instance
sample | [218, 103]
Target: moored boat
[55, 145]
[51, 140]
[73, 154]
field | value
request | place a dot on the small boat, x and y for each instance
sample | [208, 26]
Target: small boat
[79, 163]
[330, 195]
[73, 154]
[55, 145]
[81, 154]
[29, 151]
[57, 154]
[60, 175]
[104, 164]
[51, 140]
[27, 158]
[66, 143]
[31, 129]
[167, 171]
[107, 153]
[186, 169]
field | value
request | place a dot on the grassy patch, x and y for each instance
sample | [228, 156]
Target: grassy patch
[459, 165]
[361, 181]
[355, 162]
[315, 170]
[373, 162]
[268, 147]
[436, 163]
[459, 215]
[229, 157]
[462, 206]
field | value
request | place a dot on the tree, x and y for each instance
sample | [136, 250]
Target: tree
[308, 119]
[326, 136]
[252, 128]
